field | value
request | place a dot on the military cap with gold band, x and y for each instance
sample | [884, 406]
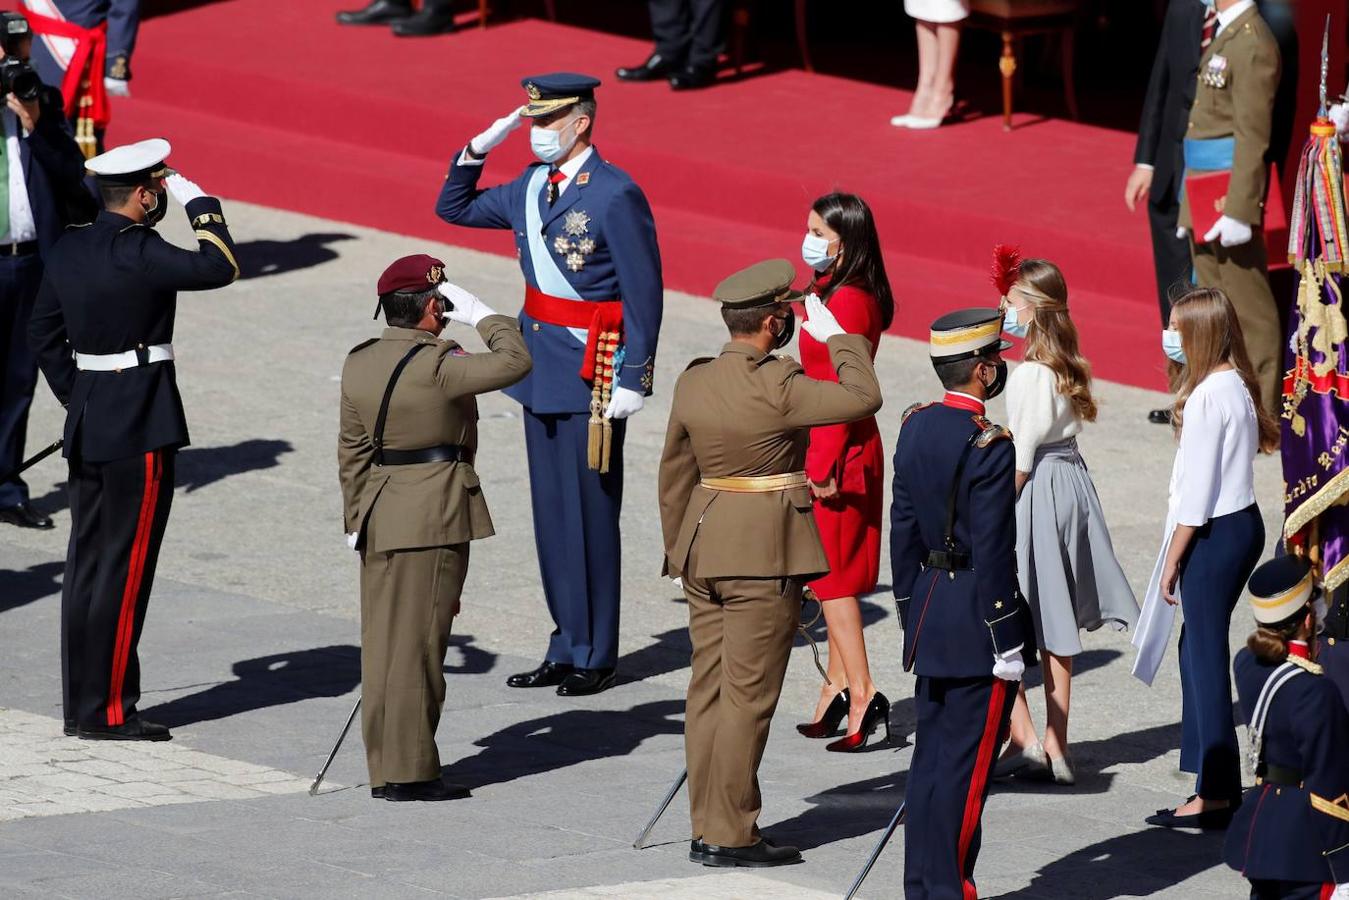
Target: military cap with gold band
[767, 283]
[557, 90]
[965, 334]
[1280, 589]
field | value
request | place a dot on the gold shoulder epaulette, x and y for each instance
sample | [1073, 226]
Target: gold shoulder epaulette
[989, 432]
[1306, 665]
[913, 408]
[362, 345]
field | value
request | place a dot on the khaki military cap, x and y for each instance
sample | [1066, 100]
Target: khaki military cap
[762, 284]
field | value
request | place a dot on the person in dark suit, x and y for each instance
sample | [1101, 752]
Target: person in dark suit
[968, 633]
[41, 176]
[103, 330]
[593, 304]
[689, 37]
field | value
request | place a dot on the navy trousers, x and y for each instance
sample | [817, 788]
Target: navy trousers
[961, 725]
[20, 277]
[1212, 579]
[576, 514]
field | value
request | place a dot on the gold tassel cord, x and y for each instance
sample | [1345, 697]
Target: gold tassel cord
[609, 346]
[595, 429]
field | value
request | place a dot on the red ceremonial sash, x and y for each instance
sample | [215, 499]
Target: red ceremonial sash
[596, 316]
[91, 53]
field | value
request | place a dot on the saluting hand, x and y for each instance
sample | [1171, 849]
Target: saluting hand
[497, 132]
[463, 307]
[820, 322]
[183, 191]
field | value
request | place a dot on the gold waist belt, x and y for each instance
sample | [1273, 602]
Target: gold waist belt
[756, 484]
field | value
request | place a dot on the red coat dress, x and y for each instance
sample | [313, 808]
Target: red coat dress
[850, 524]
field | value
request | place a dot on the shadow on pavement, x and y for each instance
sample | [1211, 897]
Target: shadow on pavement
[34, 583]
[846, 811]
[670, 653]
[258, 259]
[201, 466]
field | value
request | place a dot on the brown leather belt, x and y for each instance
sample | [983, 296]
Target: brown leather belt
[756, 484]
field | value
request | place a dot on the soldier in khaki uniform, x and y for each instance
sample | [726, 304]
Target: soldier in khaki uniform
[412, 502]
[1229, 130]
[736, 516]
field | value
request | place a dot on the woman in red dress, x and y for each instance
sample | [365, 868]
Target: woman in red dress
[845, 465]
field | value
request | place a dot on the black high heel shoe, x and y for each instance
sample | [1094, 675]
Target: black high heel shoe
[834, 714]
[877, 714]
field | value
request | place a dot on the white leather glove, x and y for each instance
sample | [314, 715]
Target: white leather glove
[1229, 232]
[1009, 666]
[465, 308]
[1341, 892]
[1339, 114]
[183, 191]
[820, 322]
[497, 132]
[624, 403]
[678, 582]
[1182, 233]
[351, 540]
[117, 87]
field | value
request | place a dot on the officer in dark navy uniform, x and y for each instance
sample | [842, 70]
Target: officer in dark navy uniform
[1334, 653]
[102, 329]
[593, 304]
[1290, 838]
[967, 631]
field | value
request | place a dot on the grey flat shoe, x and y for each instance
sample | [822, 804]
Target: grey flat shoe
[1028, 759]
[1062, 771]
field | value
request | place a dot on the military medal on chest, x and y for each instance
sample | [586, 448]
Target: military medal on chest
[575, 243]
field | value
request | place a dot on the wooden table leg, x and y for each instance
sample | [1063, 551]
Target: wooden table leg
[803, 36]
[482, 13]
[1007, 65]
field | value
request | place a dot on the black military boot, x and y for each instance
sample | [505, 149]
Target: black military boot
[377, 12]
[435, 17]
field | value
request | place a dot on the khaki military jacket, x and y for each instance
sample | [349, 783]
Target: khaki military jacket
[749, 414]
[424, 504]
[1237, 100]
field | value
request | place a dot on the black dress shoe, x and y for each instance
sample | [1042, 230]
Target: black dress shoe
[692, 78]
[697, 850]
[1160, 417]
[25, 516]
[1208, 820]
[435, 17]
[376, 12]
[656, 66]
[584, 682]
[378, 793]
[69, 729]
[756, 856]
[424, 790]
[136, 729]
[546, 675]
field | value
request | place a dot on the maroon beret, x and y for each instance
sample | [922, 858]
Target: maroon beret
[411, 273]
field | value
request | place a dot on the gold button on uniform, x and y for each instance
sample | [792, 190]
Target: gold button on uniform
[536, 326]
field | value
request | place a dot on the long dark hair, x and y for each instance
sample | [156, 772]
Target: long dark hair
[862, 265]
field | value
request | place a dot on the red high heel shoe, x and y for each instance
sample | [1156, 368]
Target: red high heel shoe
[834, 715]
[878, 713]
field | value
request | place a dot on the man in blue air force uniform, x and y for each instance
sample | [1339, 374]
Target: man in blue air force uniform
[966, 627]
[593, 303]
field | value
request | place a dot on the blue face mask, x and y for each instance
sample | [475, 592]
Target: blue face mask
[1171, 346]
[548, 145]
[1013, 325]
[815, 252]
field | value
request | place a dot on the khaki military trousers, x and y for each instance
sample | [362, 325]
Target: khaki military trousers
[1241, 273]
[741, 630]
[408, 600]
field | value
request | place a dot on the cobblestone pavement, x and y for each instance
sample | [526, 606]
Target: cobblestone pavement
[251, 655]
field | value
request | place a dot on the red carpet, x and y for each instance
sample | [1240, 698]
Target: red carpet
[273, 103]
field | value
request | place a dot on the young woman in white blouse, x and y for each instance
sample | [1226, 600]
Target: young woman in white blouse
[1215, 538]
[1066, 564]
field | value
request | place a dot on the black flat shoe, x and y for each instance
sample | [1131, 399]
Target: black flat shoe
[655, 67]
[1160, 417]
[429, 791]
[756, 856]
[692, 79]
[25, 516]
[135, 730]
[432, 18]
[377, 12]
[377, 793]
[1208, 820]
[546, 675]
[834, 714]
[584, 682]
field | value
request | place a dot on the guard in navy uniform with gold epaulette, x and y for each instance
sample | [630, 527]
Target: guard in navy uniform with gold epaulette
[1290, 838]
[102, 330]
[967, 631]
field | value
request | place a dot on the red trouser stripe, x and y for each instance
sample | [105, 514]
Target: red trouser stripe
[1327, 891]
[983, 765]
[135, 571]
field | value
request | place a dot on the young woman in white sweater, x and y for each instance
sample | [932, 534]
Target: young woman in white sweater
[1066, 565]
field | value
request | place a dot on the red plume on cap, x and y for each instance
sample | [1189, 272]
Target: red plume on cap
[1006, 267]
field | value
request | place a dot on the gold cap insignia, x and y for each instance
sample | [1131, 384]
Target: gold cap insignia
[435, 274]
[533, 91]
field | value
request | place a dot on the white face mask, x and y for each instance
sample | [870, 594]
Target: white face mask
[548, 144]
[815, 252]
[1013, 325]
[1171, 346]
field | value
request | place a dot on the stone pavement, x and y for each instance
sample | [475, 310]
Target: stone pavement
[250, 653]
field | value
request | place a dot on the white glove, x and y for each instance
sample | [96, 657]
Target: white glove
[678, 582]
[351, 540]
[465, 308]
[1009, 666]
[1341, 892]
[1229, 232]
[1339, 114]
[820, 322]
[1182, 233]
[183, 191]
[497, 132]
[624, 403]
[117, 87]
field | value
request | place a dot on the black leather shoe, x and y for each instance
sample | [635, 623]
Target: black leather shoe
[376, 12]
[691, 78]
[1160, 417]
[25, 516]
[435, 17]
[546, 675]
[655, 67]
[584, 682]
[424, 790]
[1208, 820]
[697, 850]
[756, 856]
[378, 793]
[136, 729]
[69, 729]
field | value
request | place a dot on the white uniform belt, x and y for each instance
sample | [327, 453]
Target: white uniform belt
[116, 362]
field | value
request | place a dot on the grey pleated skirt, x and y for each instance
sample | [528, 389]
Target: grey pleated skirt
[1065, 561]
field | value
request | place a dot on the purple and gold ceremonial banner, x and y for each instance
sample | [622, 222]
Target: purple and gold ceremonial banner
[1315, 420]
